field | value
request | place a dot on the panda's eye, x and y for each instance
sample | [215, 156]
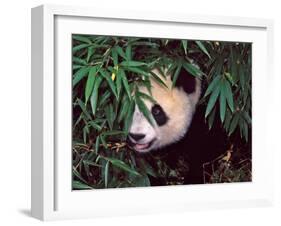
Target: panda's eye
[159, 115]
[156, 110]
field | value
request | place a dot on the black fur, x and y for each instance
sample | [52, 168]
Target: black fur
[186, 81]
[199, 145]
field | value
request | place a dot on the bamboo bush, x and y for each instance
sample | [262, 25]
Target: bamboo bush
[107, 72]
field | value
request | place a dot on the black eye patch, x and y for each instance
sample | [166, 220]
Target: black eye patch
[159, 115]
[186, 81]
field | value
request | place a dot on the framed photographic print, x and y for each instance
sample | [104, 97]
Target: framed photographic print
[138, 112]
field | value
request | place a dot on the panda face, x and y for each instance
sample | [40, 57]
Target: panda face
[172, 115]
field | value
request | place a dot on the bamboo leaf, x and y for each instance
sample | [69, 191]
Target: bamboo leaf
[113, 133]
[114, 56]
[77, 174]
[120, 52]
[176, 74]
[124, 109]
[129, 52]
[203, 48]
[147, 97]
[90, 83]
[90, 52]
[104, 98]
[147, 167]
[211, 118]
[218, 65]
[122, 165]
[97, 144]
[229, 95]
[212, 85]
[106, 174]
[229, 77]
[78, 60]
[86, 166]
[118, 83]
[110, 116]
[247, 117]
[85, 133]
[228, 117]
[95, 125]
[137, 70]
[142, 107]
[233, 66]
[107, 76]
[212, 100]
[245, 128]
[95, 93]
[158, 80]
[234, 123]
[242, 76]
[129, 118]
[75, 67]
[78, 185]
[141, 181]
[81, 39]
[241, 128]
[125, 82]
[184, 44]
[172, 67]
[222, 101]
[83, 108]
[90, 163]
[193, 70]
[80, 74]
[147, 84]
[102, 139]
[79, 47]
[132, 63]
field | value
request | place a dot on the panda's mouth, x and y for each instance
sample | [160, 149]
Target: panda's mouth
[142, 147]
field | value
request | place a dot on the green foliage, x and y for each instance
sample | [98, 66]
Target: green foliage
[229, 88]
[106, 74]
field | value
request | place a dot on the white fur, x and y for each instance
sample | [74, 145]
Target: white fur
[178, 106]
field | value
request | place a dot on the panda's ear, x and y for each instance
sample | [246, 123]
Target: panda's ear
[186, 81]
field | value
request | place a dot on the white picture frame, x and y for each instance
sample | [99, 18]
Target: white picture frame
[52, 197]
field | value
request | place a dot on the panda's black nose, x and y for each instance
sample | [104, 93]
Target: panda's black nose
[136, 136]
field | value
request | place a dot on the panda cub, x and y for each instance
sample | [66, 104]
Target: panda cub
[172, 113]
